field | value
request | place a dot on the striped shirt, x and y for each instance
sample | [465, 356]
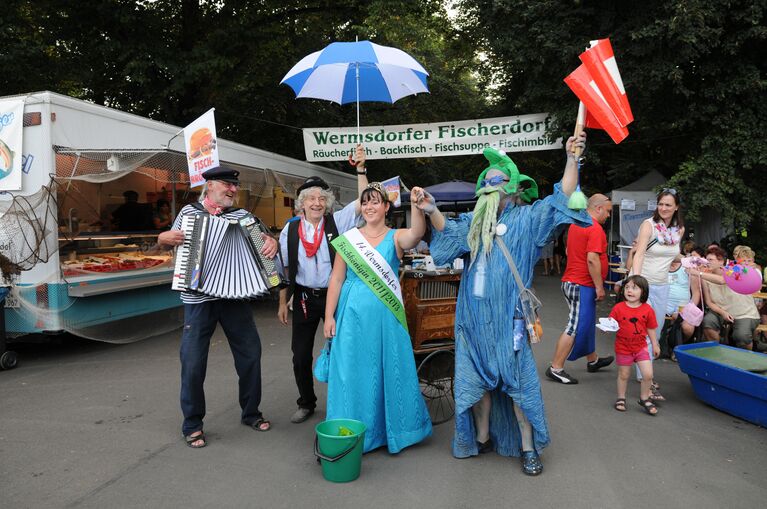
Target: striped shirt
[189, 210]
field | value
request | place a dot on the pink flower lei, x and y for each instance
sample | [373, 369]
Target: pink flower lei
[667, 235]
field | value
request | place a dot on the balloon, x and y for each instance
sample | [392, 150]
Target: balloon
[743, 279]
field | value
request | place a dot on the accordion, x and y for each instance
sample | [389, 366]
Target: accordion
[222, 258]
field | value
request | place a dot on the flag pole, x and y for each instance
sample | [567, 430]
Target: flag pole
[580, 122]
[578, 200]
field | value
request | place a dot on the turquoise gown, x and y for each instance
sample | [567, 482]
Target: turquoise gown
[372, 376]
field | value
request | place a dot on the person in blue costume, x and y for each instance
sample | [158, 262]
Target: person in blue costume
[372, 374]
[498, 402]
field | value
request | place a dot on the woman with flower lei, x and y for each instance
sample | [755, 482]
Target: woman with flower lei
[658, 244]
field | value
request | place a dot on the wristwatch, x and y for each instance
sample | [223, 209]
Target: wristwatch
[363, 172]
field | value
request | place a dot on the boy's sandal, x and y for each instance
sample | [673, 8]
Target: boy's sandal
[648, 406]
[191, 438]
[620, 404]
[261, 424]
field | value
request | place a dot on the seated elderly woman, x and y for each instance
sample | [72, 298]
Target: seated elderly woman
[726, 306]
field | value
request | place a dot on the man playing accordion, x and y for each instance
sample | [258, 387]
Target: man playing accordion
[203, 312]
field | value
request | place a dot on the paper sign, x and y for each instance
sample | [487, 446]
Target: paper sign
[652, 205]
[393, 190]
[628, 204]
[201, 147]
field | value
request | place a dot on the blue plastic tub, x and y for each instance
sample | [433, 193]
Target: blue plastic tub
[727, 378]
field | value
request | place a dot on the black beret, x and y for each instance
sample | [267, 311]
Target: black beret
[313, 182]
[222, 173]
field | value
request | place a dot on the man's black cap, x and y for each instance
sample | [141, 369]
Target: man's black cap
[313, 182]
[222, 173]
[130, 195]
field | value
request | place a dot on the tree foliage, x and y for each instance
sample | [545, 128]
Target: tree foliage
[693, 71]
[173, 60]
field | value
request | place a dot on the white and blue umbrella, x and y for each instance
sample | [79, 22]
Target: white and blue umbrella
[346, 72]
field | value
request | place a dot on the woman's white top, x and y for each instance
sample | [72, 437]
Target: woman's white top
[658, 258]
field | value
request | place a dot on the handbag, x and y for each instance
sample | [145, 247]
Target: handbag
[322, 365]
[528, 302]
[691, 313]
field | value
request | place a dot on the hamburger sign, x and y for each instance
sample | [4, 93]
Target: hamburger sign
[201, 149]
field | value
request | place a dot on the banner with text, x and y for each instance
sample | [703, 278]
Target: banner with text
[511, 134]
[11, 128]
[201, 149]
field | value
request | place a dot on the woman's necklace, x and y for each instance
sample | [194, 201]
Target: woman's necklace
[370, 236]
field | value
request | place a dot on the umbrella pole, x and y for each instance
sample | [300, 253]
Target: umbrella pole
[358, 102]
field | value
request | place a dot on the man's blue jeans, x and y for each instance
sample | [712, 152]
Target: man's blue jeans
[200, 320]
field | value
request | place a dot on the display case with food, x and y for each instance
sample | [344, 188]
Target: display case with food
[97, 264]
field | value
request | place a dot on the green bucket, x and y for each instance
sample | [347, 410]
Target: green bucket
[340, 455]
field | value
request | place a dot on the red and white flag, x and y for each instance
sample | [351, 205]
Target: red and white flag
[599, 59]
[597, 83]
[584, 87]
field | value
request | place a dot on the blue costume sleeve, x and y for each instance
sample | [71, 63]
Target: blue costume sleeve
[451, 242]
[551, 214]
[346, 218]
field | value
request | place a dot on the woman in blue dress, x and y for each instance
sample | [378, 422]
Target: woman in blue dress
[372, 376]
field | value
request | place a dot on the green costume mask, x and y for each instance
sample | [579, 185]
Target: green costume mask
[526, 186]
[484, 221]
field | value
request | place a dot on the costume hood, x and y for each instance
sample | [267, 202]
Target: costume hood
[518, 183]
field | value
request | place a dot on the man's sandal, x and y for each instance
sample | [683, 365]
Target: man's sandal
[648, 406]
[260, 424]
[191, 438]
[620, 404]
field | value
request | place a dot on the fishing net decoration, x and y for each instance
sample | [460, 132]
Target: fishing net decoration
[29, 235]
[28, 229]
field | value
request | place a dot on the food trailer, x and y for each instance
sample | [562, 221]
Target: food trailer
[84, 272]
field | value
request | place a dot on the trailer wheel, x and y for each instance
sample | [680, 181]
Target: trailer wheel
[8, 360]
[435, 376]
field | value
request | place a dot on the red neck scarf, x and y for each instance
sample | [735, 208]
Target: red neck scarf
[311, 247]
[212, 206]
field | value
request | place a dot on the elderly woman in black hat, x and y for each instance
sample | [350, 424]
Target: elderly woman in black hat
[308, 257]
[202, 313]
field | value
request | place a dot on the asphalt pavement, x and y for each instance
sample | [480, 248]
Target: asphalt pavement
[89, 424]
